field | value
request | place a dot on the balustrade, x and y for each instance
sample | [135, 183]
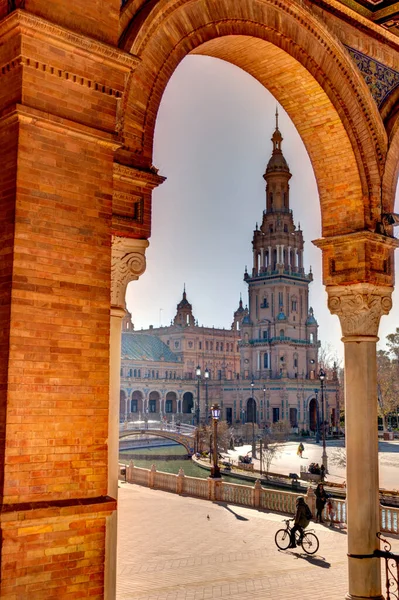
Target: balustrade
[245, 495]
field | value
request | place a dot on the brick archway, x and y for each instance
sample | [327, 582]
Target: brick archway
[80, 95]
[305, 68]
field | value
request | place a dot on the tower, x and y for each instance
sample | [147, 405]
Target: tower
[279, 334]
[184, 315]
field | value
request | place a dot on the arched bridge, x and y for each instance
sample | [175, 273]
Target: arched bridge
[182, 434]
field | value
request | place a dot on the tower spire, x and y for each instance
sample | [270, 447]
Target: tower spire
[276, 117]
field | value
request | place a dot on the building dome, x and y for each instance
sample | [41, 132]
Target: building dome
[311, 320]
[277, 163]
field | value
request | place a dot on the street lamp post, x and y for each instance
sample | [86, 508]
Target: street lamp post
[317, 417]
[263, 415]
[253, 420]
[198, 374]
[206, 375]
[322, 377]
[215, 471]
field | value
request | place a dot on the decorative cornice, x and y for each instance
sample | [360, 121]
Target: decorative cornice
[128, 263]
[356, 236]
[62, 37]
[359, 307]
[140, 177]
[95, 86]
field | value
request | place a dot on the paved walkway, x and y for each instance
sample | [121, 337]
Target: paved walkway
[179, 548]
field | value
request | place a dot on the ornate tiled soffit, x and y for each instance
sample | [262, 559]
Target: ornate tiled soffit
[380, 79]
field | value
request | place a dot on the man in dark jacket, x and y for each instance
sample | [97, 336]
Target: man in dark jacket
[301, 519]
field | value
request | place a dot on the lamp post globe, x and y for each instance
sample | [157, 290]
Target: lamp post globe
[215, 412]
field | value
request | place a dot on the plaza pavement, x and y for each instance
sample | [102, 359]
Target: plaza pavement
[179, 548]
[289, 462]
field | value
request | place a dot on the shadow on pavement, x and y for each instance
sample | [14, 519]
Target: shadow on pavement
[237, 516]
[313, 560]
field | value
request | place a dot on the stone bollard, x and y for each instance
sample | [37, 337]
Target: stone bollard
[256, 495]
[218, 490]
[211, 488]
[151, 476]
[310, 500]
[129, 472]
[180, 481]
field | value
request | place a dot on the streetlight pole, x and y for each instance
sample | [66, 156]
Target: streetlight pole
[263, 416]
[198, 374]
[253, 420]
[206, 375]
[317, 417]
[322, 377]
[215, 471]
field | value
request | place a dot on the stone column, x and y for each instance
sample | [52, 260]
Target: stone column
[128, 263]
[359, 308]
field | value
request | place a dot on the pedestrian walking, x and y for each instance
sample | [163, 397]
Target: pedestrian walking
[322, 473]
[300, 450]
[321, 499]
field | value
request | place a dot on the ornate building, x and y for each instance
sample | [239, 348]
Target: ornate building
[264, 368]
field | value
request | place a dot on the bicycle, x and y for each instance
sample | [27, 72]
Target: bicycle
[307, 539]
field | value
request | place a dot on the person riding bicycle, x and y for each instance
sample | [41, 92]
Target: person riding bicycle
[302, 519]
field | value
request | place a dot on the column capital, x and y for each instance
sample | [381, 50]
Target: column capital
[359, 307]
[128, 263]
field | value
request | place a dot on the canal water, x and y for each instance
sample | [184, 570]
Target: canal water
[176, 460]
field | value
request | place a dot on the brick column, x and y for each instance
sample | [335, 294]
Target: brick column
[59, 104]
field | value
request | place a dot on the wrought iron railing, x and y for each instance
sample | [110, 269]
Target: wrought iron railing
[391, 569]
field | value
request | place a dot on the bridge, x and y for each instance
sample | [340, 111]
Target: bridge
[182, 434]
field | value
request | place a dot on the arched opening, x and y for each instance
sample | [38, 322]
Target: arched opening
[188, 403]
[313, 416]
[251, 410]
[153, 403]
[136, 404]
[170, 403]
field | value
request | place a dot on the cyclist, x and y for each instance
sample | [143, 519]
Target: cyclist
[302, 519]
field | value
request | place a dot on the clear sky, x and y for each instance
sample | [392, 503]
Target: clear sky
[212, 142]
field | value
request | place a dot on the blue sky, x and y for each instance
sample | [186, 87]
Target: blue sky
[212, 142]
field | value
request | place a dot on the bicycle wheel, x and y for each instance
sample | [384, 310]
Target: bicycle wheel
[310, 543]
[282, 539]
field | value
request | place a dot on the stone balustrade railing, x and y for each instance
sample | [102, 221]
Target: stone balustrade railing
[244, 495]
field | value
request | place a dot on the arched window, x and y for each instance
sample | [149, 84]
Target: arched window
[265, 361]
[281, 333]
[311, 338]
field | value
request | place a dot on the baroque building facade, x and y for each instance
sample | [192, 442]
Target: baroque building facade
[265, 368]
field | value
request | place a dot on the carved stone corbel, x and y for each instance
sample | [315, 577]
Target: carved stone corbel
[128, 263]
[359, 307]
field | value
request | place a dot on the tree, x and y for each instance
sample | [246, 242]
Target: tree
[387, 386]
[224, 436]
[393, 345]
[272, 444]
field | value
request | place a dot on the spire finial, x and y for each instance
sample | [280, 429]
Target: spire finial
[276, 116]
